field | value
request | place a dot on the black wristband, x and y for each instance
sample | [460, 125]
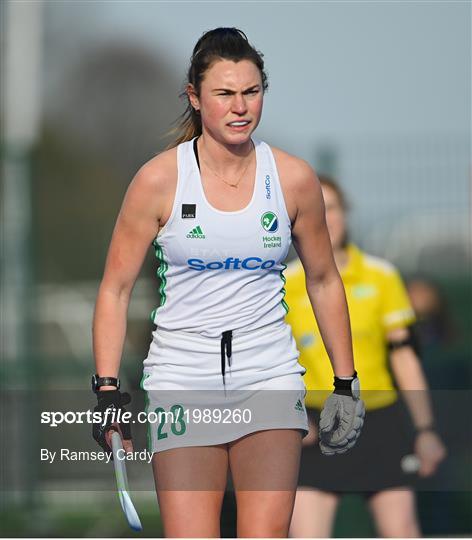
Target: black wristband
[98, 382]
[344, 386]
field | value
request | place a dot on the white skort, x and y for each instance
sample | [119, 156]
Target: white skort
[189, 405]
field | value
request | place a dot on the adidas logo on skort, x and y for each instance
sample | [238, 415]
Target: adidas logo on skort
[299, 406]
[196, 233]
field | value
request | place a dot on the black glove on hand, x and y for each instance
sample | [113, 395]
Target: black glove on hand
[112, 401]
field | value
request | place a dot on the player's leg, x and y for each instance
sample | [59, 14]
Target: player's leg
[394, 513]
[313, 513]
[264, 466]
[190, 484]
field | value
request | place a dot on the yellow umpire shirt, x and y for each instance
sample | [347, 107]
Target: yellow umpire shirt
[377, 302]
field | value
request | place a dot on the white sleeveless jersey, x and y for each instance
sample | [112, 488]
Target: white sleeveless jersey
[220, 270]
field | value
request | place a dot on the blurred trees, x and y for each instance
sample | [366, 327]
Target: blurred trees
[109, 116]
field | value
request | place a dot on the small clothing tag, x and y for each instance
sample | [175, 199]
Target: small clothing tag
[189, 211]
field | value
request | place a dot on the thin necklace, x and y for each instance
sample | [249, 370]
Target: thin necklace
[233, 185]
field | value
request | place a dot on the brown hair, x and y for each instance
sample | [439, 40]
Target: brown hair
[329, 181]
[220, 43]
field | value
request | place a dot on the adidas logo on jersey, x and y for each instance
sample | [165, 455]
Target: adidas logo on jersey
[196, 233]
[299, 405]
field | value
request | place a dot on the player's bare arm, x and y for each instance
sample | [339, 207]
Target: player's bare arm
[310, 237]
[143, 211]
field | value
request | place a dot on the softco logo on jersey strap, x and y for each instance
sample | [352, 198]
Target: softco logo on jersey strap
[231, 263]
[196, 232]
[267, 186]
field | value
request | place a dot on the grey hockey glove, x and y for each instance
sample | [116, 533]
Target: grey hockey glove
[342, 417]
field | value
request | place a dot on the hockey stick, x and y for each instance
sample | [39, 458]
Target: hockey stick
[122, 484]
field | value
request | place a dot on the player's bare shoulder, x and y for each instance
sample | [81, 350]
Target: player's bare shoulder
[160, 172]
[297, 178]
[156, 182]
